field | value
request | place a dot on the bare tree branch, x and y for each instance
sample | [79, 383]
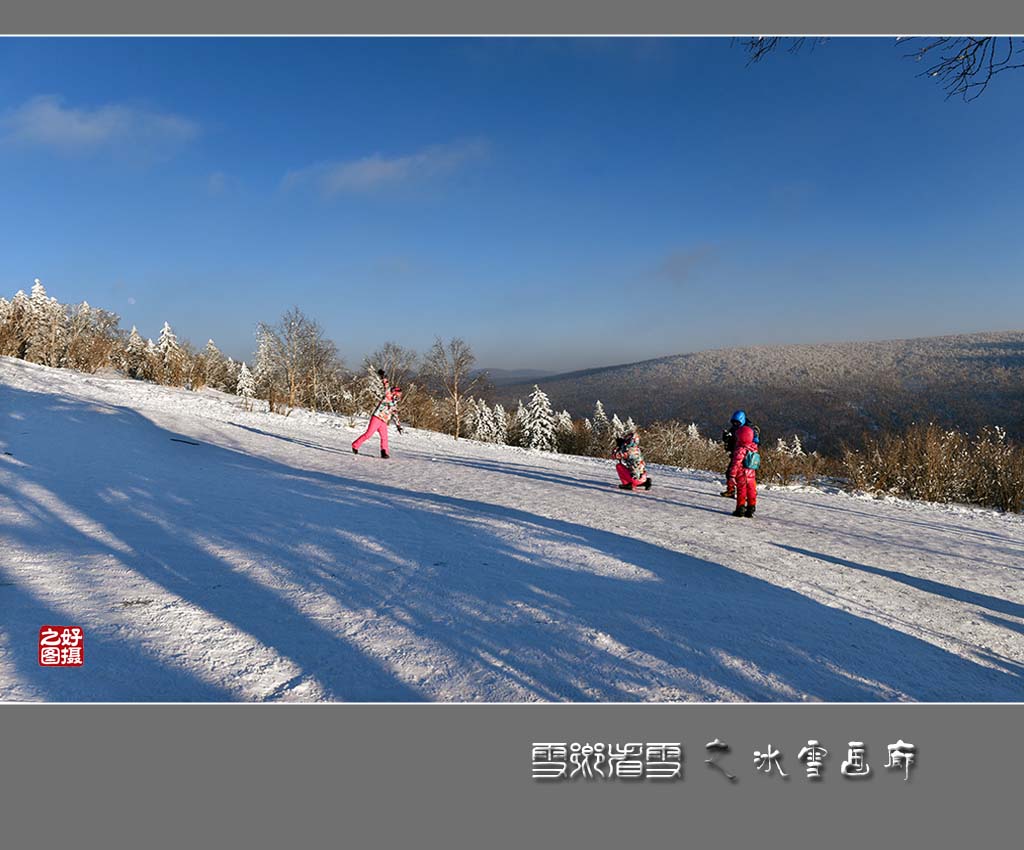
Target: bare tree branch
[962, 65]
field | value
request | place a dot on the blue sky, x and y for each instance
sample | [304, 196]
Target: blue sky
[559, 203]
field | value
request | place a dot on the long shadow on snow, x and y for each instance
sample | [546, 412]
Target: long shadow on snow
[506, 609]
[113, 669]
[982, 600]
[150, 500]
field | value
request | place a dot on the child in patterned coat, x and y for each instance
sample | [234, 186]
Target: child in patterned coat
[631, 467]
[382, 416]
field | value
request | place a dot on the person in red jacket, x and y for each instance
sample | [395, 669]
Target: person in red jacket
[746, 479]
[382, 415]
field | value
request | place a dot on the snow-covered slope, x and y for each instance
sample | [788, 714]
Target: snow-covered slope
[269, 563]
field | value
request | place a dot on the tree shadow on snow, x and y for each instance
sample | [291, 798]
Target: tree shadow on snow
[427, 596]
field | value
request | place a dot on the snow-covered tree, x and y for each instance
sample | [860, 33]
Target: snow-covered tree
[265, 371]
[617, 428]
[692, 431]
[630, 425]
[135, 360]
[563, 422]
[47, 328]
[483, 423]
[517, 426]
[246, 386]
[216, 367]
[499, 422]
[171, 358]
[539, 425]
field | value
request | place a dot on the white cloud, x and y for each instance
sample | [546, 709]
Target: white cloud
[45, 121]
[377, 171]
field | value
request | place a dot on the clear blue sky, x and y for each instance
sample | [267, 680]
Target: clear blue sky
[559, 203]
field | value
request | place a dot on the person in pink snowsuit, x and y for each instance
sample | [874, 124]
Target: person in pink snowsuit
[746, 479]
[382, 416]
[631, 467]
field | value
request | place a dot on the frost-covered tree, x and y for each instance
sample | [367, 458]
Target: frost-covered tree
[14, 332]
[499, 422]
[517, 426]
[448, 369]
[216, 367]
[171, 358]
[601, 430]
[539, 425]
[692, 431]
[246, 386]
[153, 361]
[47, 328]
[630, 425]
[483, 422]
[135, 355]
[617, 428]
[563, 422]
[265, 369]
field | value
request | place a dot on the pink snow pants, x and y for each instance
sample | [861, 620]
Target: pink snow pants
[746, 488]
[626, 477]
[376, 426]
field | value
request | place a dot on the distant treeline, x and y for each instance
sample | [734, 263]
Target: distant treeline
[831, 395]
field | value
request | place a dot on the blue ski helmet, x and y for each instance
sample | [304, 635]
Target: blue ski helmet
[739, 418]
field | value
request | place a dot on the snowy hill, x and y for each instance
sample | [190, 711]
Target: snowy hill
[827, 393]
[269, 563]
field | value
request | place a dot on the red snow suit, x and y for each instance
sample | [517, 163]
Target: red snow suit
[746, 479]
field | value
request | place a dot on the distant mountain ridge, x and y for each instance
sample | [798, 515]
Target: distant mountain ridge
[828, 393]
[503, 377]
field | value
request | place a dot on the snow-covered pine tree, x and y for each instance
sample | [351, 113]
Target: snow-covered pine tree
[47, 328]
[499, 422]
[630, 425]
[483, 423]
[135, 355]
[264, 372]
[563, 423]
[539, 425]
[618, 429]
[215, 367]
[246, 386]
[35, 323]
[171, 359]
[600, 431]
[517, 426]
[154, 362]
[469, 417]
[692, 431]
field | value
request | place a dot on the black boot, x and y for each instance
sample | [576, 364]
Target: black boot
[738, 511]
[384, 454]
[355, 451]
[647, 483]
[625, 486]
[749, 512]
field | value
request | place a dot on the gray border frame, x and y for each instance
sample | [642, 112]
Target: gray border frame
[484, 17]
[459, 775]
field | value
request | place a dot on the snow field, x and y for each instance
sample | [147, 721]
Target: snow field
[269, 563]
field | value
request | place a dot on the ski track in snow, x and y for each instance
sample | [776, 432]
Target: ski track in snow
[269, 563]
